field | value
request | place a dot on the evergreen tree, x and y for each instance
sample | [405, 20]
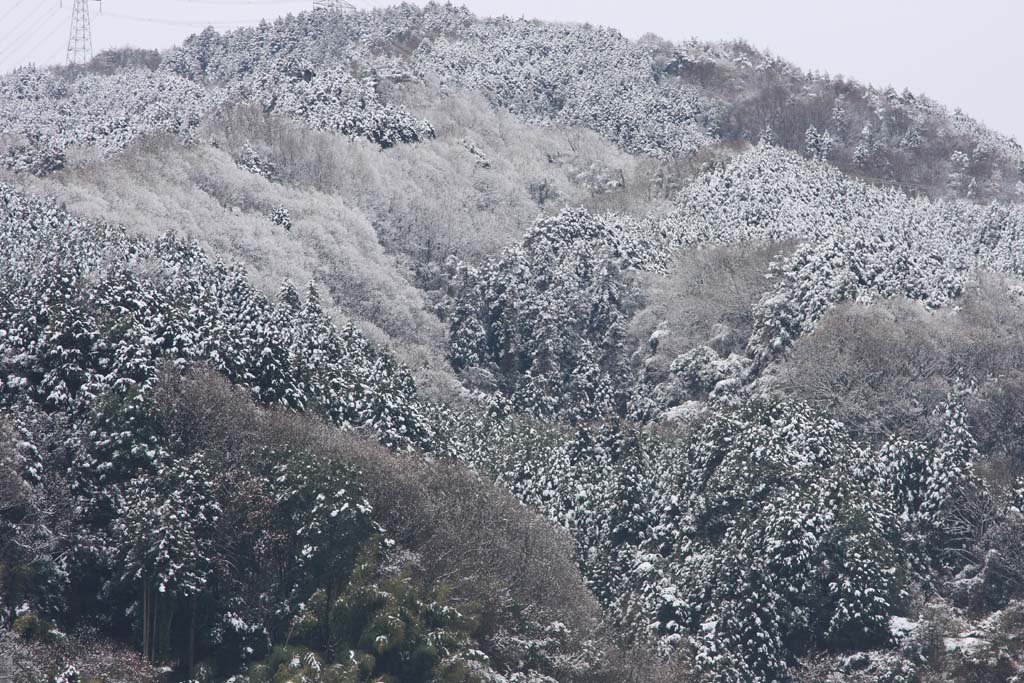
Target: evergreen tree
[165, 529]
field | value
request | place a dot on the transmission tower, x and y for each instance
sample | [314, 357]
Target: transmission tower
[80, 39]
[335, 5]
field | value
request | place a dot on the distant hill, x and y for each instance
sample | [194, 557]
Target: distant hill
[651, 97]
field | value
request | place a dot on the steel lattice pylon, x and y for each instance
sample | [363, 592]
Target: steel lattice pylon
[80, 39]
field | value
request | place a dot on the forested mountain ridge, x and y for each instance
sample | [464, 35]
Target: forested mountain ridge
[650, 97]
[409, 346]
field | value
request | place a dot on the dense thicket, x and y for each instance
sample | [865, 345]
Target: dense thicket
[545, 324]
[894, 137]
[551, 315]
[858, 243]
[769, 533]
[146, 499]
[726, 413]
[669, 523]
[533, 69]
[87, 309]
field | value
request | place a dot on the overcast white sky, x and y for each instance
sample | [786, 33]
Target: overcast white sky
[965, 54]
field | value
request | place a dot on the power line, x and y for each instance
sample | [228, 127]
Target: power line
[79, 48]
[27, 55]
[47, 37]
[173, 22]
[21, 34]
[11, 10]
[32, 18]
[31, 14]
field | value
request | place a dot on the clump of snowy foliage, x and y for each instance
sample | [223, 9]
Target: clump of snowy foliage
[336, 101]
[103, 111]
[167, 302]
[38, 157]
[517, 318]
[533, 70]
[858, 242]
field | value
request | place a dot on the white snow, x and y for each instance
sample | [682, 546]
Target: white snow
[901, 627]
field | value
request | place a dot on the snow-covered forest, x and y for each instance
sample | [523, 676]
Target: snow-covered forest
[404, 345]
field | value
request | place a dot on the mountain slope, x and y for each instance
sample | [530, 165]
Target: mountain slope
[406, 345]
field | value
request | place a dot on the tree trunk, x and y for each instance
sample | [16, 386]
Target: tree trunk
[145, 618]
[327, 622]
[192, 640]
[165, 628]
[154, 629]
